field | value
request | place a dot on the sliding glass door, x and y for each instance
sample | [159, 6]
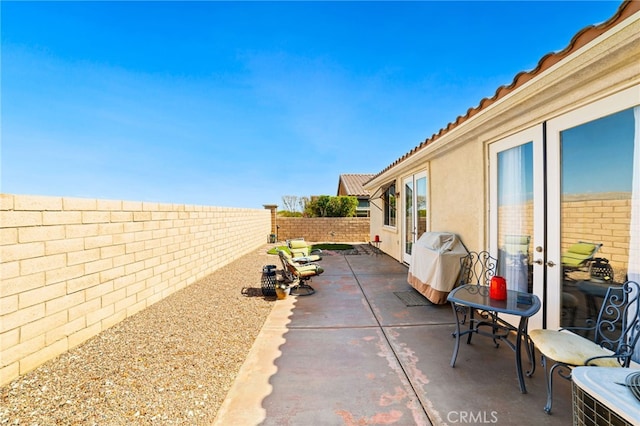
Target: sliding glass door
[565, 204]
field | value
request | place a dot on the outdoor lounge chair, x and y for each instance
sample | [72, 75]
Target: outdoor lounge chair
[616, 333]
[302, 252]
[578, 256]
[298, 274]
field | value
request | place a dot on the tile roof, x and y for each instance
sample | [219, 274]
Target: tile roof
[353, 184]
[584, 36]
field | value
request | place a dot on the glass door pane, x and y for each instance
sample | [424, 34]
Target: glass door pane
[415, 216]
[590, 204]
[596, 168]
[409, 229]
[516, 213]
[421, 205]
[515, 216]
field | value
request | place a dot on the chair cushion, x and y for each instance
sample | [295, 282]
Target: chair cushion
[516, 249]
[299, 252]
[309, 270]
[517, 240]
[297, 244]
[569, 348]
[582, 248]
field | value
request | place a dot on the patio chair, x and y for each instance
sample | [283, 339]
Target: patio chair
[302, 252]
[476, 268]
[616, 333]
[298, 274]
[578, 257]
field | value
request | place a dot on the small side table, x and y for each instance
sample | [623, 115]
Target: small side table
[467, 298]
[376, 246]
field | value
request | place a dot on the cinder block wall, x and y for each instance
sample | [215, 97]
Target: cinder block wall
[324, 229]
[599, 221]
[606, 221]
[70, 268]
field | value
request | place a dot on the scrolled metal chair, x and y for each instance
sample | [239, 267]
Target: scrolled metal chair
[616, 332]
[476, 268]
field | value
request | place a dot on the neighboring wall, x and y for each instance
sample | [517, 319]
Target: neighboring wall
[71, 267]
[324, 229]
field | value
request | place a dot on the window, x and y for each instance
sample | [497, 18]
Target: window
[390, 205]
[363, 207]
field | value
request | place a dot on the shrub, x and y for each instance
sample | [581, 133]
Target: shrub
[332, 206]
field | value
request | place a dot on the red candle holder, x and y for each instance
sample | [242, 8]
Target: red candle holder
[498, 288]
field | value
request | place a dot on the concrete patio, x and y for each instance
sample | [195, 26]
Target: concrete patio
[355, 354]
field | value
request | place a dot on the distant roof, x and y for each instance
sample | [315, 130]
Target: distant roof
[584, 36]
[353, 184]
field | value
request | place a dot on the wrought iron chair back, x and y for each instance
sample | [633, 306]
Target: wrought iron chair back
[617, 327]
[477, 268]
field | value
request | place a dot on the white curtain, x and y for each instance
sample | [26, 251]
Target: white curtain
[634, 241]
[513, 193]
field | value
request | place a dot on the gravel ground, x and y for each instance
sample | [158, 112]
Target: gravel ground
[171, 364]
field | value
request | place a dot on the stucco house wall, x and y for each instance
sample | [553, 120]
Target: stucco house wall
[596, 64]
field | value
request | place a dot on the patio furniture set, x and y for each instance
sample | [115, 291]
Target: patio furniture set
[615, 331]
[298, 268]
[490, 313]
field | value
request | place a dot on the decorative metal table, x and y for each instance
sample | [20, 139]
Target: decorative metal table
[466, 299]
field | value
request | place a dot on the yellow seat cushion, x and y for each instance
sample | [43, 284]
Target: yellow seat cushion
[521, 240]
[297, 244]
[569, 348]
[582, 248]
[309, 270]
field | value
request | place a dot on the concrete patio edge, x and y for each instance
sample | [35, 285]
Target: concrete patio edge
[241, 407]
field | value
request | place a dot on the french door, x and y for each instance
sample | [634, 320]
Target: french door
[564, 183]
[591, 166]
[415, 212]
[517, 222]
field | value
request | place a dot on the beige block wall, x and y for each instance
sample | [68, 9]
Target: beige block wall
[599, 221]
[606, 221]
[70, 268]
[324, 229]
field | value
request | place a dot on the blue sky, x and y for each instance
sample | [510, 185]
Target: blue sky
[239, 103]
